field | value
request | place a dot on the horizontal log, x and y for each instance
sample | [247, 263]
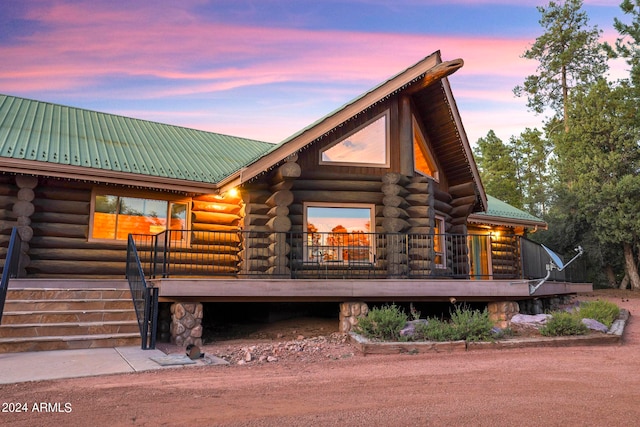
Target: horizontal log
[64, 194]
[395, 225]
[282, 185]
[345, 184]
[338, 196]
[441, 206]
[279, 224]
[419, 211]
[392, 212]
[256, 208]
[418, 187]
[280, 198]
[323, 174]
[461, 190]
[249, 265]
[395, 178]
[287, 171]
[278, 211]
[41, 241]
[89, 268]
[394, 190]
[6, 202]
[468, 200]
[49, 217]
[198, 226]
[254, 253]
[256, 196]
[204, 237]
[61, 230]
[202, 260]
[279, 270]
[215, 218]
[25, 181]
[215, 207]
[62, 206]
[279, 248]
[228, 198]
[22, 208]
[443, 196]
[462, 210]
[419, 222]
[77, 254]
[255, 219]
[395, 201]
[25, 194]
[418, 199]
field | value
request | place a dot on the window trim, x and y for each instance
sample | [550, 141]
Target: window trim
[426, 151]
[372, 214]
[103, 191]
[387, 163]
[438, 219]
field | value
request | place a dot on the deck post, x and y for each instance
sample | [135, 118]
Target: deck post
[186, 323]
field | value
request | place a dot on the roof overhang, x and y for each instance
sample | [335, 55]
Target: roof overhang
[56, 170]
[479, 218]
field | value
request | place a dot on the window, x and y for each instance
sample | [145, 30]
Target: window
[439, 247]
[114, 216]
[368, 145]
[422, 157]
[339, 234]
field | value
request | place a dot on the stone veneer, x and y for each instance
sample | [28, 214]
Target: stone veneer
[186, 324]
[501, 312]
[349, 314]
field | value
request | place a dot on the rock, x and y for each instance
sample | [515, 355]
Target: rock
[595, 325]
[248, 357]
[533, 320]
[410, 327]
[272, 359]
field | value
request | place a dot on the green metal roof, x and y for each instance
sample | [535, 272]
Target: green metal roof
[44, 132]
[498, 208]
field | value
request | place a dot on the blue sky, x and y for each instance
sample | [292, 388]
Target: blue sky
[264, 69]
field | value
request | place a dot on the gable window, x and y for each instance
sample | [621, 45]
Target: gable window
[115, 216]
[366, 146]
[339, 234]
[424, 162]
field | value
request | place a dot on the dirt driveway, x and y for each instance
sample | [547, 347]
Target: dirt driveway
[525, 387]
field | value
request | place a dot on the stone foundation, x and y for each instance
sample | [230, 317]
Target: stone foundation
[501, 312]
[186, 324]
[349, 314]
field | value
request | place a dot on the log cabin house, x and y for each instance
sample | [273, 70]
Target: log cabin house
[380, 200]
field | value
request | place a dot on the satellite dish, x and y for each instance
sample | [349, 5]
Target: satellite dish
[555, 258]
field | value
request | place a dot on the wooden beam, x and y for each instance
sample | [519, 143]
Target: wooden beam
[436, 73]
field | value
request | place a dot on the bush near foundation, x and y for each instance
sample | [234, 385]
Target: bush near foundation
[465, 324]
[383, 323]
[604, 312]
[563, 323]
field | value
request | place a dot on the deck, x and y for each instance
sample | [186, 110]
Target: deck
[310, 290]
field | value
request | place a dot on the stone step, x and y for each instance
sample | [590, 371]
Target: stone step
[56, 293]
[66, 304]
[58, 316]
[14, 345]
[68, 329]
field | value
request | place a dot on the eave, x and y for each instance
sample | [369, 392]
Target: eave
[56, 170]
[501, 221]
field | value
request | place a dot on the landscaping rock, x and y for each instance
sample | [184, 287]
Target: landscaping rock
[595, 325]
[410, 328]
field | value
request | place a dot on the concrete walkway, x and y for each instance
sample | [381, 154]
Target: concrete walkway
[50, 365]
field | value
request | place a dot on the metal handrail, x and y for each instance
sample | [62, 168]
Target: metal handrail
[145, 297]
[11, 267]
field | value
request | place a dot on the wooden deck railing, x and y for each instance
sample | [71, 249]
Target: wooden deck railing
[257, 254]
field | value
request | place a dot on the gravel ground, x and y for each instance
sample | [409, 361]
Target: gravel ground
[313, 376]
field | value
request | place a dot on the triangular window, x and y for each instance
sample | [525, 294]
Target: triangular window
[367, 145]
[424, 162]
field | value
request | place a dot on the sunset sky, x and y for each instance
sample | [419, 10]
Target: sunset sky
[264, 69]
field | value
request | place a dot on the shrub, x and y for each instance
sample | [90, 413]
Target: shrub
[465, 324]
[471, 325]
[435, 330]
[563, 323]
[604, 312]
[383, 323]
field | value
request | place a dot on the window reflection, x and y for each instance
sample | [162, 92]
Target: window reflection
[366, 146]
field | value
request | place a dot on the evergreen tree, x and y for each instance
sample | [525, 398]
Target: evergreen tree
[531, 151]
[569, 56]
[498, 169]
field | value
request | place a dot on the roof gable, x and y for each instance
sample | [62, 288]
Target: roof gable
[426, 79]
[74, 141]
